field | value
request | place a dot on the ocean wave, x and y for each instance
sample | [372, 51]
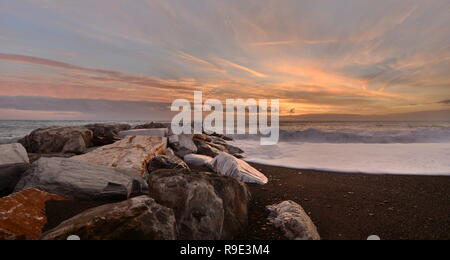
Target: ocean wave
[425, 135]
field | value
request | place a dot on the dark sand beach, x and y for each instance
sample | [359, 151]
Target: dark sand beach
[355, 206]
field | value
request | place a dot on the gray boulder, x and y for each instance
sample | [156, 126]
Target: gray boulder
[77, 180]
[198, 161]
[293, 221]
[166, 162]
[182, 145]
[14, 162]
[139, 218]
[207, 206]
[58, 140]
[231, 166]
[104, 134]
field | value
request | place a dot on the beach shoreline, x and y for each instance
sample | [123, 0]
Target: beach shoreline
[348, 206]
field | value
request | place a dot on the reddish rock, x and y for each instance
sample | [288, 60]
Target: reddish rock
[22, 215]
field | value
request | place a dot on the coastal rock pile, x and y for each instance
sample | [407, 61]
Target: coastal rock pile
[14, 162]
[139, 218]
[22, 215]
[195, 183]
[132, 153]
[207, 206]
[290, 218]
[75, 180]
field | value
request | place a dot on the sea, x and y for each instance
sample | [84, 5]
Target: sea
[412, 148]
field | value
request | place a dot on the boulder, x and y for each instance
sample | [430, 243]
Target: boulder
[58, 139]
[293, 221]
[204, 148]
[157, 132]
[22, 215]
[207, 206]
[82, 181]
[152, 125]
[229, 165]
[105, 134]
[139, 218]
[182, 145]
[166, 162]
[132, 153]
[14, 162]
[198, 161]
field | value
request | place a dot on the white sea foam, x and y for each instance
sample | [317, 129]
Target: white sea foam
[413, 159]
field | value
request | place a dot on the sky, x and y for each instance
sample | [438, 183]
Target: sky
[130, 59]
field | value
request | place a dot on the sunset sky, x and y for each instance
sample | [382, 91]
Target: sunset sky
[129, 59]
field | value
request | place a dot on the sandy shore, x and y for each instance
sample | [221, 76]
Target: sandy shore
[355, 206]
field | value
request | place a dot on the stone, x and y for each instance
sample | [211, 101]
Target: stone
[204, 148]
[207, 206]
[197, 160]
[14, 162]
[54, 140]
[229, 165]
[132, 153]
[293, 221]
[82, 181]
[105, 134]
[157, 132]
[139, 218]
[182, 145]
[75, 145]
[22, 215]
[166, 162]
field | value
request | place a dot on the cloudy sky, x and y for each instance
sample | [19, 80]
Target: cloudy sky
[118, 59]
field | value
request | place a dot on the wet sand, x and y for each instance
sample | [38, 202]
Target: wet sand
[355, 206]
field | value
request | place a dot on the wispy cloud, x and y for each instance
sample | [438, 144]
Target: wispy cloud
[241, 67]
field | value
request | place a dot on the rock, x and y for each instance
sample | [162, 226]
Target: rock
[75, 180]
[233, 150]
[204, 148]
[75, 145]
[223, 137]
[14, 162]
[293, 221]
[157, 132]
[166, 162]
[152, 125]
[105, 134]
[22, 215]
[170, 152]
[207, 206]
[229, 165]
[202, 137]
[131, 153]
[139, 218]
[55, 139]
[198, 161]
[182, 145]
